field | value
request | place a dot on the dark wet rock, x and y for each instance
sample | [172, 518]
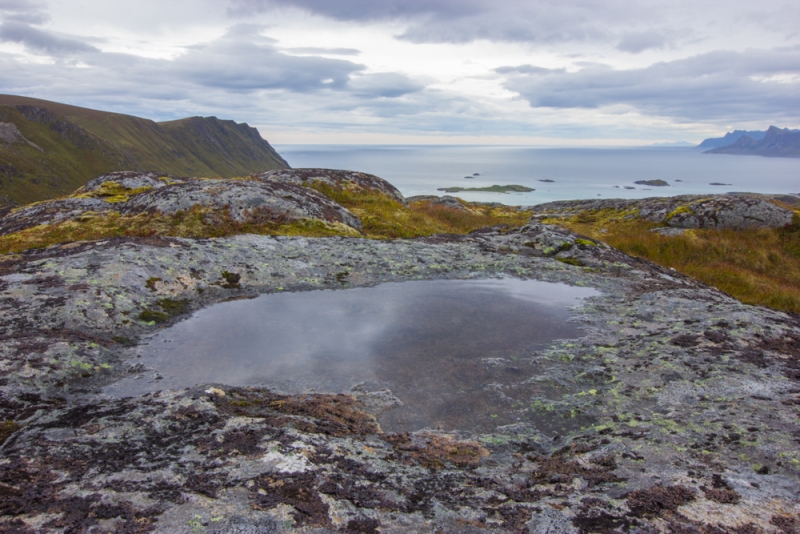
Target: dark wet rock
[686, 211]
[675, 411]
[132, 193]
[652, 183]
[336, 178]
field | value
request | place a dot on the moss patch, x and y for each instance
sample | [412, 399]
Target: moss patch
[6, 429]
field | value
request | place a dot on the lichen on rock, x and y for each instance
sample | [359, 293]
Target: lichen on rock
[675, 411]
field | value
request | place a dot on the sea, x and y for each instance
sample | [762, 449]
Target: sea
[553, 173]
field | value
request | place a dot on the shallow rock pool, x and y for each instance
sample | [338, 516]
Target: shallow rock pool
[458, 354]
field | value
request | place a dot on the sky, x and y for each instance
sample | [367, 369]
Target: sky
[511, 72]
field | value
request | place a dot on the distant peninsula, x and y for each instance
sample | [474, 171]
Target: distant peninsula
[489, 189]
[776, 142]
[730, 138]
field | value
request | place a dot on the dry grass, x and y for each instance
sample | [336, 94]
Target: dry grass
[385, 218]
[758, 266]
[195, 223]
[382, 218]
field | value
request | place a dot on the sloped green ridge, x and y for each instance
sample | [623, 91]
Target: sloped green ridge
[61, 147]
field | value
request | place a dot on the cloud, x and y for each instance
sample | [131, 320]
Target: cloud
[731, 86]
[636, 42]
[384, 84]
[42, 41]
[23, 11]
[640, 41]
[362, 10]
[310, 50]
[461, 21]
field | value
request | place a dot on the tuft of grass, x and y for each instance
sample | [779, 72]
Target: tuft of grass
[757, 266]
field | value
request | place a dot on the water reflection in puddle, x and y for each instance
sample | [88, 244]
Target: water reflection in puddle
[457, 353]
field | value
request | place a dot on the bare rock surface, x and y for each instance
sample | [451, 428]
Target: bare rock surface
[686, 211]
[132, 193]
[680, 403]
[332, 177]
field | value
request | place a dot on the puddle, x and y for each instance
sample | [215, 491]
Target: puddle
[459, 354]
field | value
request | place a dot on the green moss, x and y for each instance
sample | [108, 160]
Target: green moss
[113, 192]
[173, 306]
[6, 429]
[585, 242]
[151, 283]
[170, 307]
[571, 261]
[678, 211]
[231, 280]
[153, 316]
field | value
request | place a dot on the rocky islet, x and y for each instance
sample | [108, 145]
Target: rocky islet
[677, 410]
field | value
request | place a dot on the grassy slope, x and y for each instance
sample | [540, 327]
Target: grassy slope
[190, 147]
[757, 266]
[229, 148]
[28, 174]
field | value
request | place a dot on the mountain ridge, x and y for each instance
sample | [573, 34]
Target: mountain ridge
[777, 142]
[50, 148]
[730, 138]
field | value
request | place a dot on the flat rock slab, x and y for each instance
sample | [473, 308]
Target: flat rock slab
[681, 403]
[685, 211]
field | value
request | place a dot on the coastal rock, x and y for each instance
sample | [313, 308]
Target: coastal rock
[686, 211]
[335, 178]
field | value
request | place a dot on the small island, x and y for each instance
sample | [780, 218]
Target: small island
[490, 189]
[654, 183]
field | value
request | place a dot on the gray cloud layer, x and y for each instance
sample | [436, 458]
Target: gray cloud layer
[460, 21]
[41, 41]
[713, 86]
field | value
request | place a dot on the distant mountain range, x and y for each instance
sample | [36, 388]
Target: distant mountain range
[774, 142]
[730, 138]
[48, 149]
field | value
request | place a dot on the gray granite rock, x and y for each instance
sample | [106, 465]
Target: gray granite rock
[337, 178]
[680, 403]
[686, 211]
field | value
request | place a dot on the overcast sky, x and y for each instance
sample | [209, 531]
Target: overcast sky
[534, 72]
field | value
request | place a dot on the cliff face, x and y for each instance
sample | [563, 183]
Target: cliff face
[777, 142]
[50, 149]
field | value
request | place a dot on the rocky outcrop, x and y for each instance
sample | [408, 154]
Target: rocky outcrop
[687, 211]
[132, 193]
[678, 403]
[334, 178]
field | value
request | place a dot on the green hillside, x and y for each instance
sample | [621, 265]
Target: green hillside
[49, 149]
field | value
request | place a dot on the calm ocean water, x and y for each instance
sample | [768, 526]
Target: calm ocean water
[577, 173]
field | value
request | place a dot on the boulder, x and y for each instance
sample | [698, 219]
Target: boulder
[336, 178]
